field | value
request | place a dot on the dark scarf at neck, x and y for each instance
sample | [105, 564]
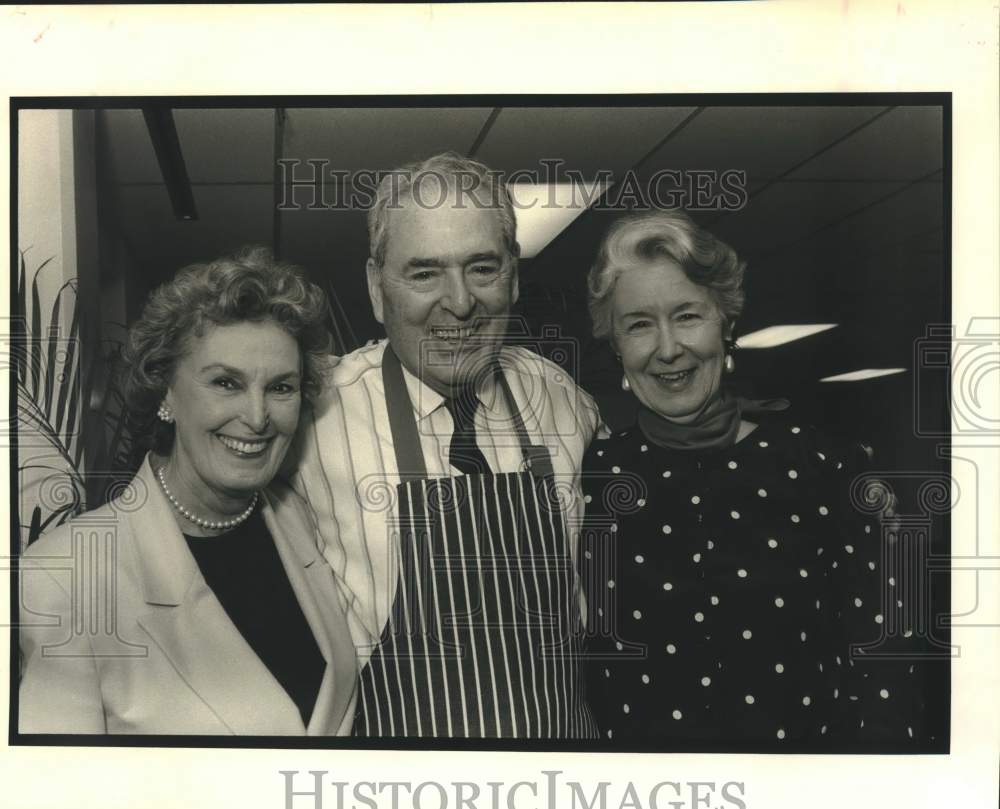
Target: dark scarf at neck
[715, 427]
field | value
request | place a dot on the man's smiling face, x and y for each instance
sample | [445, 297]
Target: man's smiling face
[445, 290]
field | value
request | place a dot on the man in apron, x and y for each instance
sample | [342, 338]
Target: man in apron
[444, 468]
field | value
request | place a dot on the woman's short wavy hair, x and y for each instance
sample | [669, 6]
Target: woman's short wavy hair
[640, 239]
[246, 286]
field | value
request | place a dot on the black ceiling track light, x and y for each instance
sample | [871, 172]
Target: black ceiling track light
[163, 134]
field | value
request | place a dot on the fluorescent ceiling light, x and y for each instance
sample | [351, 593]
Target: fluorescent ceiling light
[779, 335]
[543, 211]
[867, 373]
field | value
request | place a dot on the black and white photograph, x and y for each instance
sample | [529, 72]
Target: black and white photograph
[624, 443]
[585, 423]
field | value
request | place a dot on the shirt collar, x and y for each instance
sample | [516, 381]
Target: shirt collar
[426, 400]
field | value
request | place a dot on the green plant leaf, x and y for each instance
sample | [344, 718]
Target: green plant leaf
[19, 326]
[115, 411]
[29, 414]
[50, 409]
[21, 285]
[34, 343]
[71, 420]
[35, 529]
[117, 437]
[64, 513]
[73, 429]
[68, 515]
[18, 349]
[70, 376]
[62, 470]
[52, 354]
[36, 329]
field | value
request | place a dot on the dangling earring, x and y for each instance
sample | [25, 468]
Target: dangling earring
[729, 364]
[164, 413]
[625, 383]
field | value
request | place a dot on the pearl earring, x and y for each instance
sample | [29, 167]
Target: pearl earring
[625, 383]
[729, 364]
[164, 413]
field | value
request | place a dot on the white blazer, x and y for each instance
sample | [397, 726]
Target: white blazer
[121, 634]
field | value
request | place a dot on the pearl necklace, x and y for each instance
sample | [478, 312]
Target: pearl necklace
[213, 525]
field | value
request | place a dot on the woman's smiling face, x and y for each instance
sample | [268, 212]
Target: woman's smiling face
[669, 333]
[235, 396]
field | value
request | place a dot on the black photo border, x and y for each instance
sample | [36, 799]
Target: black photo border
[786, 99]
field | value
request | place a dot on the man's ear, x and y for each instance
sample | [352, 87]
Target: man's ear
[375, 288]
[514, 288]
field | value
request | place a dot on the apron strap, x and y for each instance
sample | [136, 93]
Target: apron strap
[536, 456]
[405, 438]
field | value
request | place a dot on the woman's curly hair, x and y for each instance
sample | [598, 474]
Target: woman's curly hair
[640, 239]
[246, 286]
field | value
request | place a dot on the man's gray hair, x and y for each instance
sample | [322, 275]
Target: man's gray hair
[475, 184]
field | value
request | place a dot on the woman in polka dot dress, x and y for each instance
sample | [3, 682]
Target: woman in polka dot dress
[727, 571]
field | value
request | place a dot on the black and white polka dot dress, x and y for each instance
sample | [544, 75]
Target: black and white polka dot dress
[725, 588]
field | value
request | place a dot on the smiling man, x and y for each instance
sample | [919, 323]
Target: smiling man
[444, 282]
[433, 465]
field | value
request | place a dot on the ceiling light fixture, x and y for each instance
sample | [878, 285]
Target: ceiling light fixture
[543, 211]
[779, 335]
[167, 145]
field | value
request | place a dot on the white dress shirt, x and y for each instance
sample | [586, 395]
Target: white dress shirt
[345, 464]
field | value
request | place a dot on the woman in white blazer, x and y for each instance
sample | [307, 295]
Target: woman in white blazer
[196, 601]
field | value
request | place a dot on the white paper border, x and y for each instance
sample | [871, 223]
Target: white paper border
[875, 45]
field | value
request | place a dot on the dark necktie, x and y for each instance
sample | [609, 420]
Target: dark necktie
[463, 453]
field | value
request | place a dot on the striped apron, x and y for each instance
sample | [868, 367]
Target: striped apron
[483, 637]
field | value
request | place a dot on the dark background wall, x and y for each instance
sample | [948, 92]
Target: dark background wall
[843, 222]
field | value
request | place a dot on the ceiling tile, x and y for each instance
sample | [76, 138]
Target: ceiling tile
[762, 141]
[379, 139]
[785, 212]
[227, 145]
[904, 144]
[904, 220]
[858, 245]
[131, 158]
[585, 139]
